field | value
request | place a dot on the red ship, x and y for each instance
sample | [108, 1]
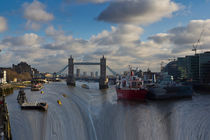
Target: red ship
[130, 87]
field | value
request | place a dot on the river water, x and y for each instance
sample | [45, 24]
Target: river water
[92, 114]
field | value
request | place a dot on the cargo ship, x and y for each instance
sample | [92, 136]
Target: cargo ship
[130, 87]
[85, 86]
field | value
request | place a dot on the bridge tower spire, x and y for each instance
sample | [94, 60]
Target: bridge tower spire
[103, 83]
[70, 78]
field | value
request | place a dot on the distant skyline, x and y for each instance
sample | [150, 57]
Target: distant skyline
[44, 33]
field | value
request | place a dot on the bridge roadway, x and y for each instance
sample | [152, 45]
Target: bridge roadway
[86, 63]
[95, 79]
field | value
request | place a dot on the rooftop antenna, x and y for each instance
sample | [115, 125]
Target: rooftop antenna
[148, 69]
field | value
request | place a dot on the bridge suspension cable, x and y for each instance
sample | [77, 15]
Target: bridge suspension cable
[62, 70]
[112, 71]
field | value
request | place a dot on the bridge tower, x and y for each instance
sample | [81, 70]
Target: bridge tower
[103, 83]
[70, 78]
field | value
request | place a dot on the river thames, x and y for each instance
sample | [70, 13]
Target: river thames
[92, 114]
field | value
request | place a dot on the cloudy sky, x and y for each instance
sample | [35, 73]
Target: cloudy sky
[44, 33]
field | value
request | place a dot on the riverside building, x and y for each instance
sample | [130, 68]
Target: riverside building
[192, 67]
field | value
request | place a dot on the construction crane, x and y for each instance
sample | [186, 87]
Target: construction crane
[161, 65]
[195, 45]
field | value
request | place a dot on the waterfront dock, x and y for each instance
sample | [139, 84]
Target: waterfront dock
[5, 129]
[39, 106]
[30, 105]
[6, 89]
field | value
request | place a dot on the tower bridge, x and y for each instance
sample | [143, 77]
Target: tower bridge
[101, 79]
[103, 82]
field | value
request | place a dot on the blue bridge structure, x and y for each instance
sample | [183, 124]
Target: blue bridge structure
[103, 80]
[86, 63]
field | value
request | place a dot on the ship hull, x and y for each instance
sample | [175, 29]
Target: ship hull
[39, 106]
[36, 89]
[161, 93]
[201, 87]
[131, 94]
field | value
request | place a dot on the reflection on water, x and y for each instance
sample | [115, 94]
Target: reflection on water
[91, 114]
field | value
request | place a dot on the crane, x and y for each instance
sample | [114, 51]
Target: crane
[161, 65]
[195, 45]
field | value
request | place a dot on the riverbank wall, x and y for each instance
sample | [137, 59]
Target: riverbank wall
[6, 89]
[5, 129]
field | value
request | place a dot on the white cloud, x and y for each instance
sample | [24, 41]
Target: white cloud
[138, 11]
[29, 48]
[121, 46]
[51, 31]
[122, 35]
[33, 25]
[27, 40]
[36, 14]
[182, 38]
[3, 24]
[88, 1]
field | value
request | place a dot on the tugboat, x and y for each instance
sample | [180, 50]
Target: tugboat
[130, 87]
[43, 105]
[85, 86]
